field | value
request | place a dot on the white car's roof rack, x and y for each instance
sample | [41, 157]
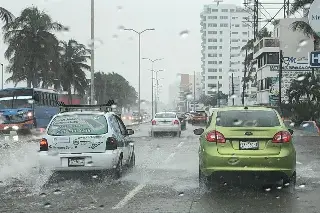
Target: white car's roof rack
[100, 107]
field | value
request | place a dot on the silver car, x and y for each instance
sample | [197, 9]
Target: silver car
[166, 122]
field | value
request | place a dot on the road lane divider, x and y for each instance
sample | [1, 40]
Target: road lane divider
[129, 196]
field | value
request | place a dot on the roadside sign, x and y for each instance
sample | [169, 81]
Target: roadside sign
[314, 16]
[314, 59]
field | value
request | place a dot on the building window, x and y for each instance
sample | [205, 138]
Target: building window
[244, 40]
[212, 40]
[212, 32]
[212, 47]
[220, 55]
[214, 10]
[212, 85]
[235, 40]
[221, 32]
[220, 77]
[220, 69]
[220, 62]
[223, 17]
[220, 39]
[237, 25]
[224, 10]
[212, 77]
[244, 33]
[234, 33]
[212, 55]
[212, 70]
[212, 17]
[220, 47]
[223, 25]
[212, 25]
[212, 62]
[231, 10]
[272, 58]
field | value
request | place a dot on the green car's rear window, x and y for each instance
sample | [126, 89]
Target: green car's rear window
[247, 118]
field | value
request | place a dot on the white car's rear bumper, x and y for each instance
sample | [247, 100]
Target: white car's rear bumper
[92, 161]
[160, 128]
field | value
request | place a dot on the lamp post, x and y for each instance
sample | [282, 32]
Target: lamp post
[152, 62]
[92, 53]
[139, 33]
[156, 93]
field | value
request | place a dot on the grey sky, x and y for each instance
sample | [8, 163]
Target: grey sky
[168, 17]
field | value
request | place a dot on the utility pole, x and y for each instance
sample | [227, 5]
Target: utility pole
[218, 97]
[92, 53]
[194, 91]
[280, 77]
[232, 84]
[244, 77]
[1, 76]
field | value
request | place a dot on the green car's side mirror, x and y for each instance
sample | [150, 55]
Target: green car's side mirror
[198, 131]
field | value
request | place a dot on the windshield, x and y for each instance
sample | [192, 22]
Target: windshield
[165, 115]
[14, 104]
[78, 125]
[247, 118]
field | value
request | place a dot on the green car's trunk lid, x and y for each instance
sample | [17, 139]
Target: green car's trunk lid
[261, 136]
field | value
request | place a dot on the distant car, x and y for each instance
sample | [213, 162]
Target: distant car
[87, 141]
[199, 117]
[246, 141]
[127, 118]
[183, 120]
[136, 117]
[165, 122]
[310, 126]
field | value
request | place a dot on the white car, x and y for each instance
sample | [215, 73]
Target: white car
[87, 141]
[165, 122]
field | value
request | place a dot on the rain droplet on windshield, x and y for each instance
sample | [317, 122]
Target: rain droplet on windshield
[305, 125]
[42, 45]
[303, 43]
[306, 6]
[95, 43]
[233, 96]
[237, 122]
[302, 186]
[189, 97]
[66, 28]
[292, 124]
[184, 33]
[47, 205]
[43, 195]
[267, 189]
[57, 192]
[181, 194]
[301, 78]
[95, 176]
[121, 27]
[119, 8]
[115, 36]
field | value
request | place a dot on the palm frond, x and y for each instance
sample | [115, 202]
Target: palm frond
[298, 5]
[5, 15]
[303, 27]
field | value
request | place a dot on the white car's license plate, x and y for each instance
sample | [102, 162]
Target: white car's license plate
[249, 145]
[76, 161]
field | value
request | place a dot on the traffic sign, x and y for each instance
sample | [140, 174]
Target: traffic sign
[314, 59]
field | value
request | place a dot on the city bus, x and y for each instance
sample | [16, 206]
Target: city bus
[24, 109]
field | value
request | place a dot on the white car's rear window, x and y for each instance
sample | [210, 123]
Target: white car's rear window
[78, 124]
[166, 115]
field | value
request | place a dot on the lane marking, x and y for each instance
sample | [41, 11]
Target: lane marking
[299, 163]
[180, 144]
[129, 196]
[169, 157]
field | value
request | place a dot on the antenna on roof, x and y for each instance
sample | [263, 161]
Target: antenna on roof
[218, 1]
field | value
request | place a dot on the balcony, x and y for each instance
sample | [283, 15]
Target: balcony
[266, 45]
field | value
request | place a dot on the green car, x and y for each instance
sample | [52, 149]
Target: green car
[245, 141]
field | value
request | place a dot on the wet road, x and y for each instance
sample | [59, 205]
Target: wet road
[165, 180]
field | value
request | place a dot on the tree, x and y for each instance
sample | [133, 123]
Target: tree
[212, 100]
[73, 58]
[5, 15]
[31, 46]
[116, 87]
[304, 97]
[302, 25]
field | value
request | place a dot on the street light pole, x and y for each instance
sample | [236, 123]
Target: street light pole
[232, 84]
[92, 52]
[152, 99]
[1, 76]
[218, 94]
[194, 91]
[156, 92]
[139, 33]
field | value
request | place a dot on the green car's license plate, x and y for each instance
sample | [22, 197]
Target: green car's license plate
[248, 145]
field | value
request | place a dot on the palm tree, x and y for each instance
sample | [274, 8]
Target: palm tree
[31, 46]
[73, 59]
[5, 15]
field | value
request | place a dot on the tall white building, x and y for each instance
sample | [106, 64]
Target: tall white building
[224, 32]
[196, 84]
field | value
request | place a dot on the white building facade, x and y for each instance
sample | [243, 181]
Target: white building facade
[295, 61]
[224, 32]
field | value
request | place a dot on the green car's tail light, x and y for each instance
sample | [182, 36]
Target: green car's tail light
[215, 136]
[154, 122]
[282, 137]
